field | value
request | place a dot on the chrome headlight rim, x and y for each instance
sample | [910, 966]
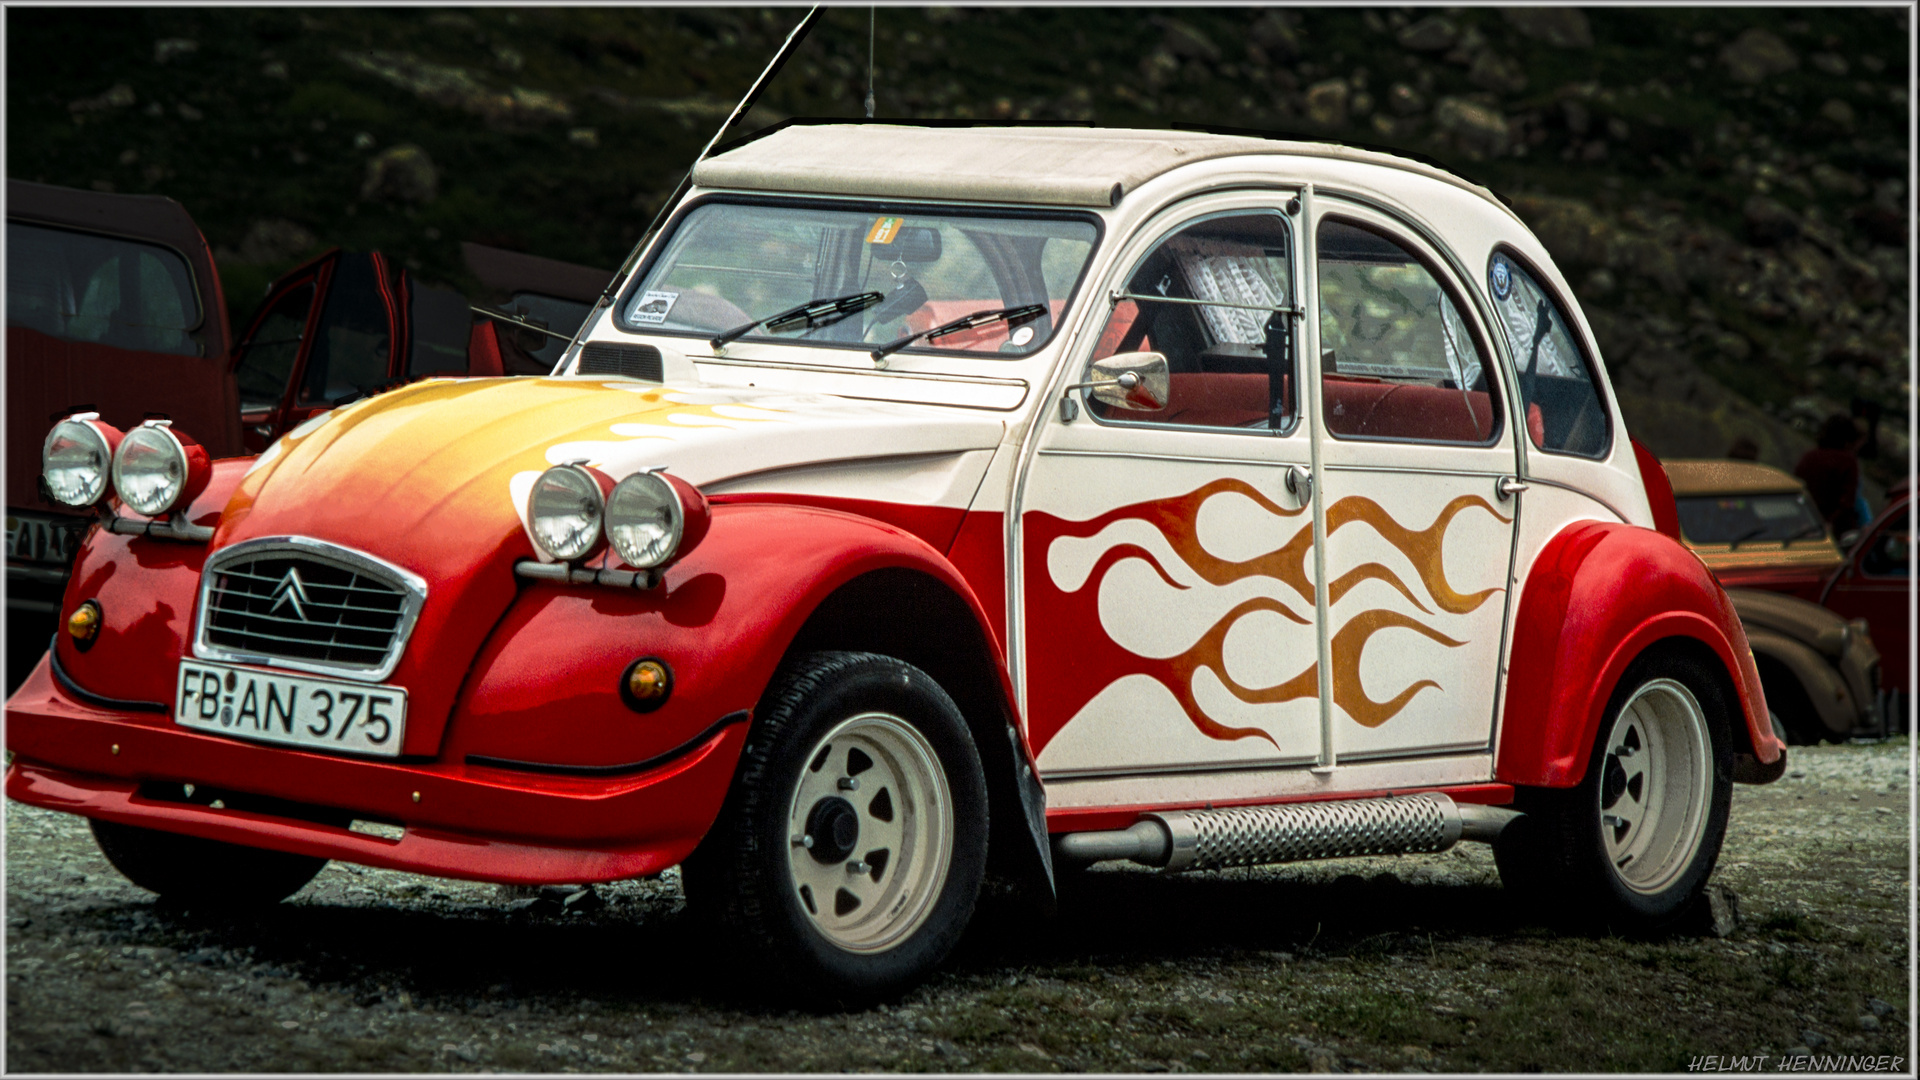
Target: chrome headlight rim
[85, 427]
[176, 454]
[656, 486]
[590, 538]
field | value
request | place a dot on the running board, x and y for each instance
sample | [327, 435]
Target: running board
[1176, 840]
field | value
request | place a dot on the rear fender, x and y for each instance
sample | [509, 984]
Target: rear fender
[1598, 595]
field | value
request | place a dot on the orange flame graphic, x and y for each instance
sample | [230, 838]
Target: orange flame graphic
[1067, 641]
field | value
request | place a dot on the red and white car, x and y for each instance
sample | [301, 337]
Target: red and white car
[930, 503]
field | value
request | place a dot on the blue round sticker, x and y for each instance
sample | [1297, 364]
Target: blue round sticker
[1502, 279]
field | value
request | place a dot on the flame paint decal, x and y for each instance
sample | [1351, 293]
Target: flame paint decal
[1069, 642]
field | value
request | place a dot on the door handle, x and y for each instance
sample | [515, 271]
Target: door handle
[1300, 483]
[1509, 486]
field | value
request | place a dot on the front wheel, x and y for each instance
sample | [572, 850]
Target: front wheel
[852, 846]
[1632, 845]
[192, 870]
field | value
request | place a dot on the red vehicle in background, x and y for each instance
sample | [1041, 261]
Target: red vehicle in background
[1876, 584]
[113, 307]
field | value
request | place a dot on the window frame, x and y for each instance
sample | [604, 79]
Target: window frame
[661, 241]
[1483, 345]
[1588, 354]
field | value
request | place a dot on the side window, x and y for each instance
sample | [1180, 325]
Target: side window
[1564, 414]
[1206, 298]
[442, 326]
[1397, 360]
[87, 288]
[351, 344]
[267, 358]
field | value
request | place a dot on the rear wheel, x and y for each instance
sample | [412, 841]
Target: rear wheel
[192, 870]
[849, 857]
[1631, 847]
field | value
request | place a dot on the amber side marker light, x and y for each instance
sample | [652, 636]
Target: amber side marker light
[646, 684]
[84, 624]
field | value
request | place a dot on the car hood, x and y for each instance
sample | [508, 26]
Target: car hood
[434, 476]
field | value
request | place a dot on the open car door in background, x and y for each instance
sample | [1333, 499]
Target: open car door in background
[544, 292]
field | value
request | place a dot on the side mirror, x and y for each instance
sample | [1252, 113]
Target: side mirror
[1135, 381]
[1848, 539]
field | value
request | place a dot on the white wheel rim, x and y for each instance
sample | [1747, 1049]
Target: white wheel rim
[1654, 786]
[867, 886]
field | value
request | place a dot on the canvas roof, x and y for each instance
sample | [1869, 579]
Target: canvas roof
[1064, 166]
[1726, 476]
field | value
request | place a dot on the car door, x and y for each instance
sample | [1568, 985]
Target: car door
[1417, 465]
[1164, 602]
[1876, 584]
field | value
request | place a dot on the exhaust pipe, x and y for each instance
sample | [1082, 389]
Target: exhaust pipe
[1178, 840]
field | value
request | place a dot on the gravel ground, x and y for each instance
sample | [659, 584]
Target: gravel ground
[1411, 964]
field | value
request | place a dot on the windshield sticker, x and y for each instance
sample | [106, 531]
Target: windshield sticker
[885, 230]
[1502, 279]
[652, 308]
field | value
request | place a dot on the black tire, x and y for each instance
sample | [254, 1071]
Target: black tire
[828, 717]
[1624, 850]
[209, 873]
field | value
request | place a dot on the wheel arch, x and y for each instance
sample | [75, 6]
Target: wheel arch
[1598, 596]
[915, 616]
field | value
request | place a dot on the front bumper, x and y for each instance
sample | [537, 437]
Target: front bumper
[459, 820]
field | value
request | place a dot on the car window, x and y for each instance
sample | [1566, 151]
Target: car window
[728, 263]
[1205, 299]
[80, 287]
[1739, 519]
[350, 346]
[534, 353]
[1890, 550]
[1396, 358]
[266, 360]
[1564, 412]
[441, 326]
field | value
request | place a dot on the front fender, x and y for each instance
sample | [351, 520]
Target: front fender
[545, 690]
[1598, 595]
[1832, 702]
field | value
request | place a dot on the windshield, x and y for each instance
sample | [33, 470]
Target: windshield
[729, 264]
[1726, 519]
[82, 287]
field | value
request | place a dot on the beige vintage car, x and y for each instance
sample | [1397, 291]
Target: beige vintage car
[1756, 529]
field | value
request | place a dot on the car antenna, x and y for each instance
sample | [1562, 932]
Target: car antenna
[871, 16]
[739, 111]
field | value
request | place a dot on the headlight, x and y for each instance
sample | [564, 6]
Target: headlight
[565, 509]
[644, 520]
[76, 457]
[155, 470]
[654, 518]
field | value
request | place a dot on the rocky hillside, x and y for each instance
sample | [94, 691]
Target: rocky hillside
[1725, 187]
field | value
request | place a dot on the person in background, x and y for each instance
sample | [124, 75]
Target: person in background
[1832, 473]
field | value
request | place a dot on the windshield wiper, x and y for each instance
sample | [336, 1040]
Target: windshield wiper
[1812, 529]
[1734, 544]
[813, 314]
[965, 322]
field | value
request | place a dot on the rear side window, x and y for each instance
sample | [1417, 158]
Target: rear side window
[98, 289]
[1396, 358]
[1556, 376]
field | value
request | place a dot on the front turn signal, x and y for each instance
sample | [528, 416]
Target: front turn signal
[646, 684]
[84, 624]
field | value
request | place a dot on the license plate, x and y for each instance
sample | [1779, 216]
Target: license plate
[34, 538]
[294, 710]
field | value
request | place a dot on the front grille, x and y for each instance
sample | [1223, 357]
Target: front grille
[633, 361]
[301, 605]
